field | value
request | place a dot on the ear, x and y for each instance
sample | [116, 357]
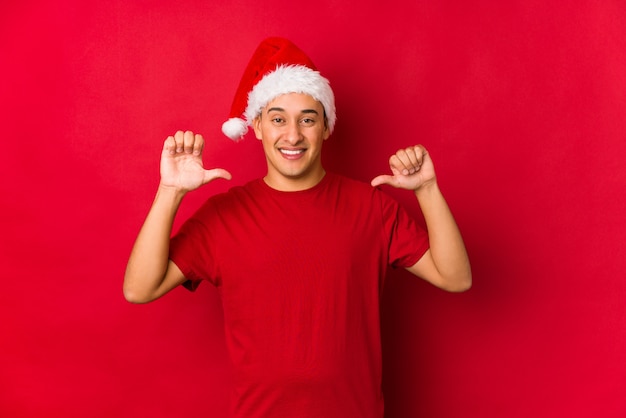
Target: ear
[326, 130]
[256, 124]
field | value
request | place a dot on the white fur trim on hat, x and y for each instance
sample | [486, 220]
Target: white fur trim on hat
[290, 79]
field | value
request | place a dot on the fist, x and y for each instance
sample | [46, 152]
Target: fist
[411, 168]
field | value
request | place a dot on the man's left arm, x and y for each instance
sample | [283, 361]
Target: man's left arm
[445, 264]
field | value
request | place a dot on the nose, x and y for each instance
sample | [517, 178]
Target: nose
[293, 133]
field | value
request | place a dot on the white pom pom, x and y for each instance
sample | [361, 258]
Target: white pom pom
[235, 128]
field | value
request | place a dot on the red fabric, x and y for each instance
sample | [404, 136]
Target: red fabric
[300, 275]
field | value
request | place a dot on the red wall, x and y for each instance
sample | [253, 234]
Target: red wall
[522, 105]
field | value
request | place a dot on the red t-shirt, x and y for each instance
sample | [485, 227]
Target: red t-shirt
[300, 275]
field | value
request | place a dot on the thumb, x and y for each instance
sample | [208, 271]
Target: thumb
[216, 173]
[382, 179]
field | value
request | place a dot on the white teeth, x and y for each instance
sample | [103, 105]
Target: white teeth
[292, 152]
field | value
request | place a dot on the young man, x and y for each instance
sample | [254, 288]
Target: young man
[300, 255]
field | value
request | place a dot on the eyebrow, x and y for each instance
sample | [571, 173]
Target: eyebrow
[280, 109]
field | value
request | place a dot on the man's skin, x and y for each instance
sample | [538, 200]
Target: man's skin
[292, 129]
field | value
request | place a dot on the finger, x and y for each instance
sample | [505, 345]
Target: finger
[179, 138]
[415, 156]
[198, 144]
[421, 153]
[216, 173]
[169, 145]
[397, 164]
[413, 159]
[382, 179]
[405, 159]
[188, 140]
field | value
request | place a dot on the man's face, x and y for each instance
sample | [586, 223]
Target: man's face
[292, 129]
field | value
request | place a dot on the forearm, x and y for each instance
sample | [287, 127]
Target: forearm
[446, 244]
[149, 258]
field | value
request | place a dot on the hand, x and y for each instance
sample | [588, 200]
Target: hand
[181, 163]
[411, 167]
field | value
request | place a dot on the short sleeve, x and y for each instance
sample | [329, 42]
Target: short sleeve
[408, 241]
[192, 250]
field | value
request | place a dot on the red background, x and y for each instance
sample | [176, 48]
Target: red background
[521, 104]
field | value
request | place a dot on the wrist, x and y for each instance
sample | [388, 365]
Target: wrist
[171, 192]
[427, 186]
[427, 189]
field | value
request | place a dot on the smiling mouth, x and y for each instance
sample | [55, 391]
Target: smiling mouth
[291, 152]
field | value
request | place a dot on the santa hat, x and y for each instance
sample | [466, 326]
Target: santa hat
[277, 67]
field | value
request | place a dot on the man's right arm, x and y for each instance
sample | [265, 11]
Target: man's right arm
[150, 273]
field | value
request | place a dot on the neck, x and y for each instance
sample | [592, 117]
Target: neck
[294, 184]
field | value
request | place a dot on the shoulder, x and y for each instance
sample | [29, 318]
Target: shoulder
[361, 196]
[230, 201]
[358, 187]
[348, 184]
[235, 193]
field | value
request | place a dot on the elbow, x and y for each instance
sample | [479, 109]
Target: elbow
[137, 299]
[461, 286]
[133, 297]
[463, 283]
[459, 283]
